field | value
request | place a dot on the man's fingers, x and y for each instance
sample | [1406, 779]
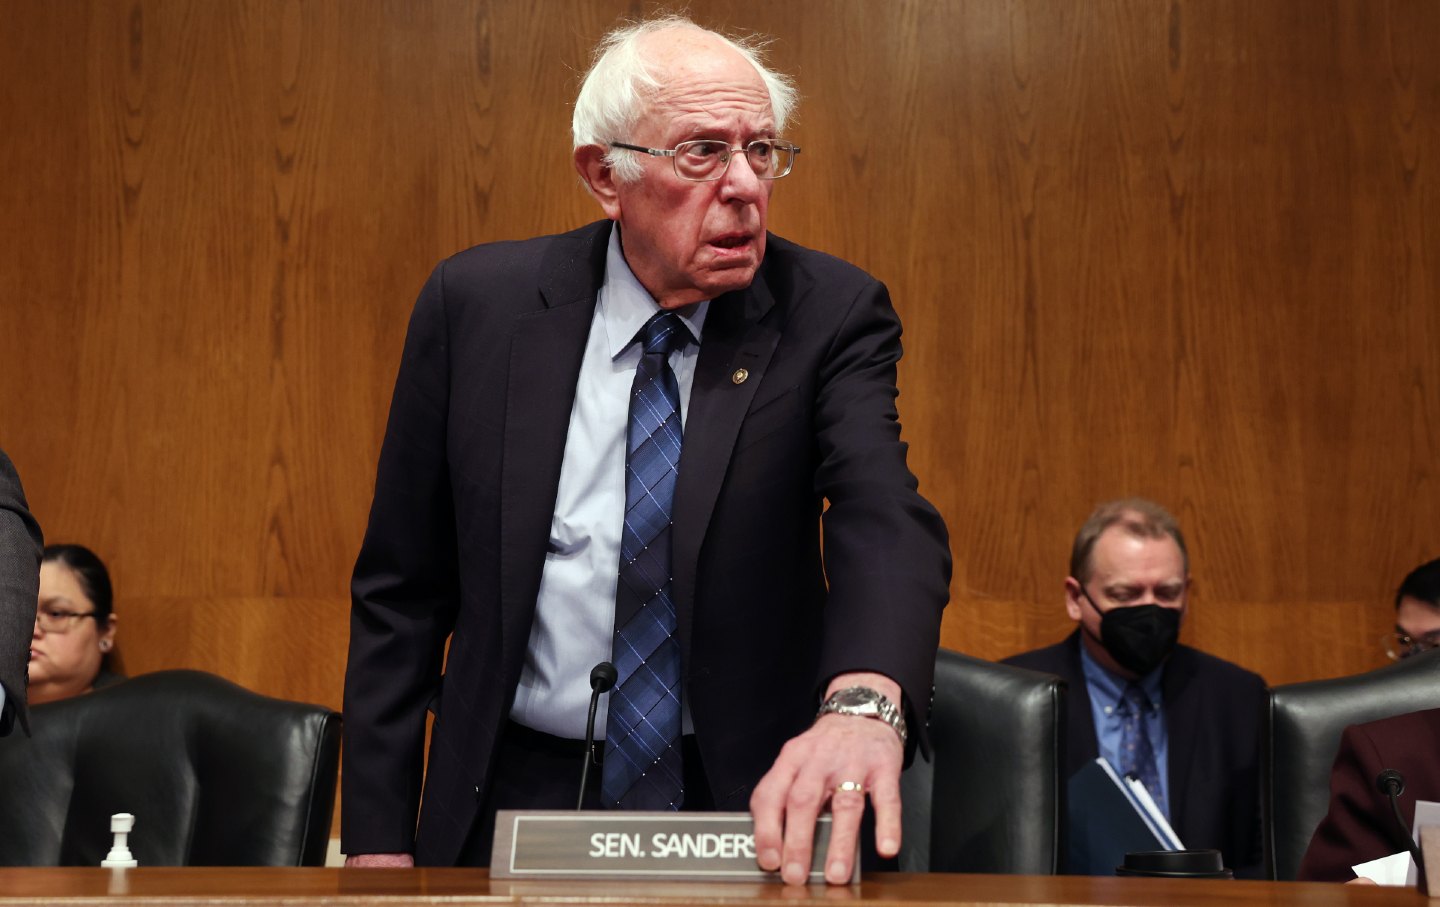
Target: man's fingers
[802, 808]
[885, 797]
[840, 761]
[847, 806]
[767, 808]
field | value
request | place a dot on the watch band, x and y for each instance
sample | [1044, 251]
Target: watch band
[866, 702]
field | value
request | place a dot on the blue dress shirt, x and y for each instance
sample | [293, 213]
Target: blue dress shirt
[574, 623]
[1106, 691]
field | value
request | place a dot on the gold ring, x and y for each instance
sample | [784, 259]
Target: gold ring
[849, 786]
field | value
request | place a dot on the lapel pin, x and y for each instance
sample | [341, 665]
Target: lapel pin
[740, 375]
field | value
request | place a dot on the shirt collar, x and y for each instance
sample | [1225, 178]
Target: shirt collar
[625, 305]
[1109, 688]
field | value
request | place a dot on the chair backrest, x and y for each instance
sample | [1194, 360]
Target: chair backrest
[991, 800]
[214, 774]
[1302, 736]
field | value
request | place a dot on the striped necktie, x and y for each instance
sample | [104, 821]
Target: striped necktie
[642, 768]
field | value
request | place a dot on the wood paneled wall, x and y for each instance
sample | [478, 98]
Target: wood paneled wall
[1180, 249]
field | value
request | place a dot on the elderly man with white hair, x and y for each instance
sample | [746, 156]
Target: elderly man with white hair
[621, 445]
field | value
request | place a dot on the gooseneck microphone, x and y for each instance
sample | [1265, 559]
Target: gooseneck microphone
[602, 678]
[1392, 784]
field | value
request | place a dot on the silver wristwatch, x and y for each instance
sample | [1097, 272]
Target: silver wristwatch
[866, 703]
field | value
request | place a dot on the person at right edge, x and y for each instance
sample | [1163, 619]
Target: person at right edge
[1360, 825]
[1187, 724]
[20, 547]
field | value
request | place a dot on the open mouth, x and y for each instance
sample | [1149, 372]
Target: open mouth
[732, 241]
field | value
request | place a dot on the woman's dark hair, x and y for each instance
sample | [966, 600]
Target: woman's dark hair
[90, 571]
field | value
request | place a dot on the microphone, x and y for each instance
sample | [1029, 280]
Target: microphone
[602, 678]
[1392, 784]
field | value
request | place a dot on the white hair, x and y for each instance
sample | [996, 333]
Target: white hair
[613, 92]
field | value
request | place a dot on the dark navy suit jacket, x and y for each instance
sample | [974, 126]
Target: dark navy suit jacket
[1214, 712]
[466, 488]
[20, 546]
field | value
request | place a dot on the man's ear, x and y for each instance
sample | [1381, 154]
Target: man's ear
[599, 178]
[1072, 599]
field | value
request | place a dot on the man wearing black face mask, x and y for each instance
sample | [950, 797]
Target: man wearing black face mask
[1185, 723]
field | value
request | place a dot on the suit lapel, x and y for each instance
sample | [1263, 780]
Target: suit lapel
[736, 337]
[546, 349]
[1180, 728]
[1083, 742]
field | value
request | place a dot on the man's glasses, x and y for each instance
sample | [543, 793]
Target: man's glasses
[707, 159]
[53, 620]
[1400, 644]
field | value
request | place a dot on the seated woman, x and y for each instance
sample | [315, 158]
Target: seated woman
[70, 651]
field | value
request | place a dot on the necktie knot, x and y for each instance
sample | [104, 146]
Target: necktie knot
[1134, 701]
[664, 333]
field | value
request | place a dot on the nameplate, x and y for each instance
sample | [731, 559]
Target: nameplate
[605, 844]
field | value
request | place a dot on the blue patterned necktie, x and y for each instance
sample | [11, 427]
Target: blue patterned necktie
[1137, 754]
[642, 737]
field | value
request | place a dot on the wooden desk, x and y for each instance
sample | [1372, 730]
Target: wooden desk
[398, 887]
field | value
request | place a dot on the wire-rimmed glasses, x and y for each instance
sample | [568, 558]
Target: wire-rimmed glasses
[55, 620]
[702, 160]
[1399, 644]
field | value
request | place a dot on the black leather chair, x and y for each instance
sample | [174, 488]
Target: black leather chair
[1303, 735]
[991, 800]
[214, 774]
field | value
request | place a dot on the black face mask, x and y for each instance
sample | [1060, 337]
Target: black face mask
[1138, 637]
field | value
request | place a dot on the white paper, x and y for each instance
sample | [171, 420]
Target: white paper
[1391, 870]
[1427, 812]
[1152, 810]
[1145, 806]
[1398, 868]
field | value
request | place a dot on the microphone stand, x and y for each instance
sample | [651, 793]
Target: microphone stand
[1392, 785]
[602, 678]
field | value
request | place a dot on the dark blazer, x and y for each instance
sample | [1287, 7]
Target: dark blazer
[1359, 825]
[466, 488]
[20, 548]
[1213, 716]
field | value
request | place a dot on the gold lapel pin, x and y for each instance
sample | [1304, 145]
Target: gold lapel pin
[740, 375]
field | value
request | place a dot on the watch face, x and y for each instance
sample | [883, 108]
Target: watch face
[858, 697]
[868, 703]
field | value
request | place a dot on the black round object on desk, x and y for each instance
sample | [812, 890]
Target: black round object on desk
[1175, 864]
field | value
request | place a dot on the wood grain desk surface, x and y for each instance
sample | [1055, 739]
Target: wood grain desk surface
[307, 887]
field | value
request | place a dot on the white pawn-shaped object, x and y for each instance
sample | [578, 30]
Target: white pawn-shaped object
[119, 857]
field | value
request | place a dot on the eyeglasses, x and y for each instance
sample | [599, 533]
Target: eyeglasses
[55, 621]
[1400, 644]
[707, 159]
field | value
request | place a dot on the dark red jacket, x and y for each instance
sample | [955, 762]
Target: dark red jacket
[1359, 825]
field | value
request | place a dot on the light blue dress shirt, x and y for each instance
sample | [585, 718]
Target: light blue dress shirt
[1106, 691]
[575, 609]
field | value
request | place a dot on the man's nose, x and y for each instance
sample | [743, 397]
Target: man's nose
[739, 180]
